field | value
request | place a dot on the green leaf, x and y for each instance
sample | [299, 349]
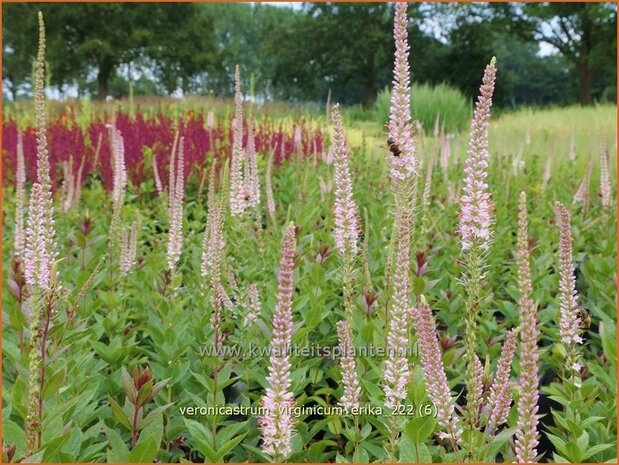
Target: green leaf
[574, 453]
[558, 443]
[596, 450]
[118, 451]
[34, 458]
[144, 451]
[419, 429]
[120, 414]
[228, 446]
[53, 383]
[12, 434]
[54, 446]
[154, 427]
[156, 412]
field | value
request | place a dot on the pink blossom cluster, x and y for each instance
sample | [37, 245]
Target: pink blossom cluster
[40, 244]
[277, 424]
[476, 208]
[176, 194]
[403, 166]
[500, 396]
[19, 240]
[346, 229]
[352, 390]
[434, 372]
[527, 436]
[569, 321]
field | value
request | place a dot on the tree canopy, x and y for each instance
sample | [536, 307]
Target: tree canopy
[302, 53]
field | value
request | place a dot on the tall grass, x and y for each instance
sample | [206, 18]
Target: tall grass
[428, 103]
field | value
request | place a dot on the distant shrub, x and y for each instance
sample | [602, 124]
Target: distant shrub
[428, 103]
[358, 113]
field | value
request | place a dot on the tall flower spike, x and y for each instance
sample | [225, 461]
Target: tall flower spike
[445, 154]
[252, 181]
[352, 391]
[40, 251]
[527, 437]
[39, 255]
[118, 166]
[434, 372]
[547, 173]
[569, 321]
[427, 188]
[175, 207]
[237, 185]
[605, 188]
[582, 194]
[475, 204]
[213, 246]
[403, 166]
[396, 372]
[128, 249]
[253, 305]
[277, 423]
[119, 185]
[268, 187]
[500, 396]
[20, 199]
[346, 229]
[158, 184]
[572, 153]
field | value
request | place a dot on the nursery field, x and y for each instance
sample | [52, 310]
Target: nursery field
[222, 284]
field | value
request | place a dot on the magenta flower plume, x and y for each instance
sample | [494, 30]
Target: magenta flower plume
[500, 396]
[237, 185]
[20, 199]
[475, 204]
[277, 423]
[176, 191]
[352, 391]
[400, 125]
[40, 251]
[346, 229]
[434, 372]
[569, 321]
[527, 436]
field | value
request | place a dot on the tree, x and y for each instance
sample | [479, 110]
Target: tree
[584, 33]
[98, 37]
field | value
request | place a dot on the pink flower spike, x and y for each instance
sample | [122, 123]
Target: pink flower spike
[475, 205]
[277, 423]
[346, 229]
[434, 372]
[352, 391]
[400, 125]
[500, 396]
[527, 436]
[40, 248]
[569, 321]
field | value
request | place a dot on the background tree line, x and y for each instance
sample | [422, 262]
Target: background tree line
[302, 53]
